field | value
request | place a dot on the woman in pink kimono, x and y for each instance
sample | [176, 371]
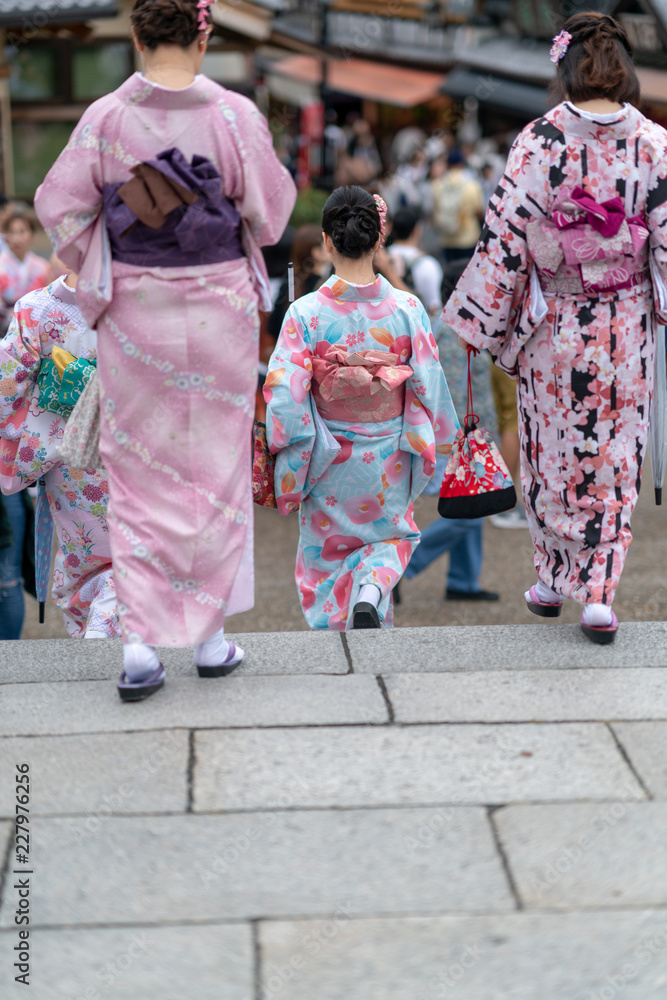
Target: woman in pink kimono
[561, 291]
[47, 324]
[161, 200]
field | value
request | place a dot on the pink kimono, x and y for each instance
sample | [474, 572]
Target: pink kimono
[17, 278]
[83, 584]
[561, 291]
[175, 304]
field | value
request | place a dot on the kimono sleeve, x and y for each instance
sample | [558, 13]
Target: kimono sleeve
[24, 451]
[69, 204]
[488, 306]
[429, 418]
[656, 219]
[290, 416]
[264, 192]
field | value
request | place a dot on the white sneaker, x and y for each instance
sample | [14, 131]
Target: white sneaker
[515, 518]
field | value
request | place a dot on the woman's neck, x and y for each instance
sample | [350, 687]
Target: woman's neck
[170, 66]
[357, 272]
[598, 106]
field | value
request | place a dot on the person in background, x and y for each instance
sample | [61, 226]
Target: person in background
[357, 407]
[458, 206]
[461, 537]
[504, 398]
[21, 270]
[312, 266]
[48, 334]
[6, 209]
[418, 270]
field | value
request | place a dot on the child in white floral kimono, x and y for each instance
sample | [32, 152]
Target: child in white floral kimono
[45, 359]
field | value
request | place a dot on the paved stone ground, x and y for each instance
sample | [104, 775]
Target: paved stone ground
[475, 813]
[458, 812]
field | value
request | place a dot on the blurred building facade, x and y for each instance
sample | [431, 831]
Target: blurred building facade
[476, 67]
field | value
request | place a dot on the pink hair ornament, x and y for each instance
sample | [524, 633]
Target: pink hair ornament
[381, 206]
[559, 46]
[203, 8]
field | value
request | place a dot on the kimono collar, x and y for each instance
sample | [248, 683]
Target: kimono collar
[346, 291]
[568, 120]
[138, 90]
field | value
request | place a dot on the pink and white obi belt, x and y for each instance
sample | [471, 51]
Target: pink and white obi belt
[587, 248]
[364, 387]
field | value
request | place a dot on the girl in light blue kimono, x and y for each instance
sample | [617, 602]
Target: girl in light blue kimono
[358, 408]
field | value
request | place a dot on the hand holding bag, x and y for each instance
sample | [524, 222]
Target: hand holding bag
[476, 482]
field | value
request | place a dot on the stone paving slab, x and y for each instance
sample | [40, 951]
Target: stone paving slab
[646, 745]
[357, 766]
[266, 653]
[516, 956]
[98, 775]
[554, 695]
[541, 646]
[190, 702]
[272, 864]
[575, 855]
[135, 963]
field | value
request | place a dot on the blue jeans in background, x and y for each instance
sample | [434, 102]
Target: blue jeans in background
[462, 538]
[12, 606]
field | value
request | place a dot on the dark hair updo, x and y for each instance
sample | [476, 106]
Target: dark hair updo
[350, 217]
[165, 22]
[597, 63]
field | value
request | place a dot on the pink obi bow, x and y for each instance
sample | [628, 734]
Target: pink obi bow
[360, 386]
[588, 247]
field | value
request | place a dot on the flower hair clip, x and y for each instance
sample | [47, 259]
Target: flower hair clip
[559, 47]
[381, 206]
[203, 8]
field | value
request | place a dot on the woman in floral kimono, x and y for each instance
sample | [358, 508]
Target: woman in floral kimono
[161, 200]
[47, 325]
[561, 291]
[358, 407]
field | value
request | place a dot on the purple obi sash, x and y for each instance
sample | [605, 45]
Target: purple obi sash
[172, 214]
[587, 247]
[360, 387]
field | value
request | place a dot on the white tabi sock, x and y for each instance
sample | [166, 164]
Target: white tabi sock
[546, 594]
[369, 594]
[139, 660]
[93, 633]
[212, 651]
[597, 614]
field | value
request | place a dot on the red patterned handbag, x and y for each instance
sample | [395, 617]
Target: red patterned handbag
[263, 468]
[476, 482]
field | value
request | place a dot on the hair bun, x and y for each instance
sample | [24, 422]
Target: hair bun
[165, 22]
[351, 218]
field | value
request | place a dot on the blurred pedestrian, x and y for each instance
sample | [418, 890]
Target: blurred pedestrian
[160, 202]
[21, 270]
[461, 537]
[357, 406]
[561, 294]
[311, 265]
[458, 206]
[420, 271]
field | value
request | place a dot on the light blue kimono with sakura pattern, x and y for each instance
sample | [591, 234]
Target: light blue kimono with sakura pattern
[355, 480]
